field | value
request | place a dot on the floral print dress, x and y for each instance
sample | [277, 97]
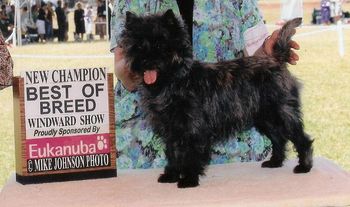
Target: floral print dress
[6, 65]
[218, 30]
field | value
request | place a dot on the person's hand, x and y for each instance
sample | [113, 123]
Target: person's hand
[123, 73]
[271, 41]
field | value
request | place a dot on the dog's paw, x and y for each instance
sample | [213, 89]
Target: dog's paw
[302, 169]
[168, 178]
[271, 164]
[187, 183]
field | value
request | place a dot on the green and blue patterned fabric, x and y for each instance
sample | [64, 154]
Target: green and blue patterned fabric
[218, 29]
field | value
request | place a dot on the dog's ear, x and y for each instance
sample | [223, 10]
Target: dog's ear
[169, 17]
[130, 18]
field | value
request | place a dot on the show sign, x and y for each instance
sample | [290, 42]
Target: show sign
[64, 125]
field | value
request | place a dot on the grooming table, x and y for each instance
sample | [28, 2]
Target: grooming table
[239, 184]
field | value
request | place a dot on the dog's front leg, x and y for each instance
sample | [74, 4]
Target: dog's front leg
[171, 172]
[194, 156]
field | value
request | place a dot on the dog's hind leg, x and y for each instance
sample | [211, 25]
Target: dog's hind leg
[275, 134]
[290, 116]
[288, 125]
[303, 146]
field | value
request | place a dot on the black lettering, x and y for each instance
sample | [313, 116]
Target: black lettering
[29, 76]
[67, 87]
[56, 105]
[103, 73]
[85, 73]
[99, 87]
[44, 75]
[69, 106]
[44, 107]
[31, 94]
[79, 105]
[91, 106]
[44, 90]
[31, 123]
[53, 76]
[56, 94]
[90, 92]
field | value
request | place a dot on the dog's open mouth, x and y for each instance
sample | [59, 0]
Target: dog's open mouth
[150, 76]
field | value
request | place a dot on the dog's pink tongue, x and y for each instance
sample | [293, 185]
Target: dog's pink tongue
[150, 76]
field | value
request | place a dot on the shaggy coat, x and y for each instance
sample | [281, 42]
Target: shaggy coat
[192, 105]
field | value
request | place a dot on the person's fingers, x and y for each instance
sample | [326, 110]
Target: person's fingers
[294, 45]
[292, 62]
[293, 58]
[270, 42]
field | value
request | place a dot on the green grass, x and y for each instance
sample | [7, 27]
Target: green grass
[325, 95]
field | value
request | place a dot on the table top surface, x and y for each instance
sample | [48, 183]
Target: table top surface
[238, 184]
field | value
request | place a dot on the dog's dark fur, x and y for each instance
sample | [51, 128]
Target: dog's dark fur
[193, 105]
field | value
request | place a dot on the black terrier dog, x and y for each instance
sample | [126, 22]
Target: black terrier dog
[193, 105]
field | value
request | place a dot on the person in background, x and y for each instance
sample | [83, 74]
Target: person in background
[10, 10]
[89, 22]
[3, 14]
[66, 13]
[101, 19]
[40, 23]
[49, 21]
[4, 21]
[290, 9]
[35, 12]
[221, 30]
[325, 12]
[28, 26]
[79, 21]
[61, 21]
[7, 16]
[26, 21]
[336, 10]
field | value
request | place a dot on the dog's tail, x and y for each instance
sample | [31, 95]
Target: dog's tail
[281, 49]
